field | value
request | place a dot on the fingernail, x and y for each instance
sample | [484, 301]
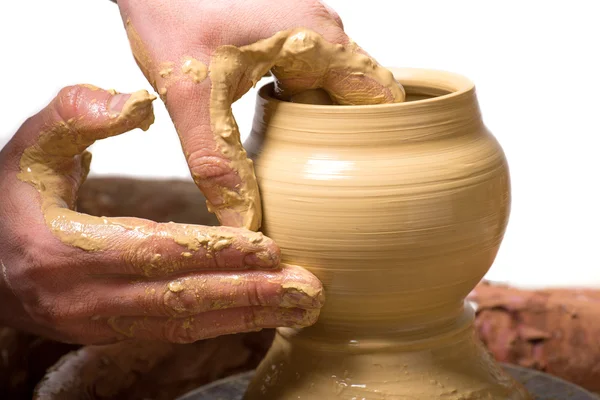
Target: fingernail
[294, 297]
[309, 317]
[116, 103]
[262, 259]
[285, 317]
[291, 317]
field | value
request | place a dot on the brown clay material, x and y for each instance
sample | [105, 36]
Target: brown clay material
[556, 331]
[399, 209]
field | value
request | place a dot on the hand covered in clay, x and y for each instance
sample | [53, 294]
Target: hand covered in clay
[202, 55]
[78, 278]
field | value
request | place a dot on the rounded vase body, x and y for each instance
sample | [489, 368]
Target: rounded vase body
[399, 210]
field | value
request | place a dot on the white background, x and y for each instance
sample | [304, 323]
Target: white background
[535, 65]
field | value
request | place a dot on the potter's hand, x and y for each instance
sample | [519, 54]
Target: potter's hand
[78, 278]
[202, 55]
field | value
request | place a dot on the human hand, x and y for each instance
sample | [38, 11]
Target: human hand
[77, 278]
[202, 55]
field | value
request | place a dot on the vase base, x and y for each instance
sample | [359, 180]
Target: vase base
[541, 386]
[447, 362]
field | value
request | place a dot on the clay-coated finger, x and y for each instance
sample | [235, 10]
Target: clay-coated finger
[190, 329]
[56, 162]
[80, 115]
[347, 73]
[290, 287]
[300, 59]
[138, 247]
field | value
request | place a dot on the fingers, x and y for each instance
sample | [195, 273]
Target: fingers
[349, 75]
[55, 163]
[200, 86]
[301, 60]
[191, 329]
[79, 115]
[54, 160]
[189, 308]
[212, 324]
[217, 161]
[290, 287]
[137, 247]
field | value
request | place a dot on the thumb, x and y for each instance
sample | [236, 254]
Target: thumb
[55, 163]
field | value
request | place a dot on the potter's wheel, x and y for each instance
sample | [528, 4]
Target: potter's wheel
[542, 386]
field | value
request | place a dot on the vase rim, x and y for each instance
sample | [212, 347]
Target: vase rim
[443, 85]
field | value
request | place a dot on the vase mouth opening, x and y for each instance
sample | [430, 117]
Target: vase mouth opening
[422, 86]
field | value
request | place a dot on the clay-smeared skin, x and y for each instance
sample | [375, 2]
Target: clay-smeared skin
[399, 210]
[300, 59]
[47, 165]
[90, 279]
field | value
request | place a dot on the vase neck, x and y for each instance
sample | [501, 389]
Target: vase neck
[431, 112]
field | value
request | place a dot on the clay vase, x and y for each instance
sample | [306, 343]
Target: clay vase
[399, 209]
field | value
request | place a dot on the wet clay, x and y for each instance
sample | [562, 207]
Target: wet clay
[399, 209]
[195, 69]
[58, 147]
[292, 55]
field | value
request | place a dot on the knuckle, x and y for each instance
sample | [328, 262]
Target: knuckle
[51, 310]
[182, 303]
[208, 166]
[250, 319]
[37, 261]
[45, 312]
[143, 256]
[180, 331]
[68, 101]
[255, 296]
[333, 14]
[335, 34]
[26, 277]
[35, 280]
